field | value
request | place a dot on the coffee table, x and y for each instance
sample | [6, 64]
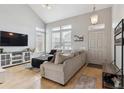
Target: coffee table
[36, 62]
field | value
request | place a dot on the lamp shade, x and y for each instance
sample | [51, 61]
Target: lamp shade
[94, 19]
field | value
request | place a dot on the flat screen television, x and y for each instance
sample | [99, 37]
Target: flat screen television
[13, 39]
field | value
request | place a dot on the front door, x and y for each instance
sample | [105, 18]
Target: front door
[97, 47]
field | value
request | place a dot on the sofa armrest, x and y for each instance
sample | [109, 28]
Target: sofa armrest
[52, 66]
[83, 57]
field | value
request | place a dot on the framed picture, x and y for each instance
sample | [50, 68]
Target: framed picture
[78, 38]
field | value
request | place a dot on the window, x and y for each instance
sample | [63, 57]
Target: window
[66, 39]
[61, 37]
[66, 27]
[56, 40]
[40, 41]
[56, 29]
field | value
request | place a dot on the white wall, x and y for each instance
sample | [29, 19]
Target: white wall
[117, 15]
[20, 19]
[80, 27]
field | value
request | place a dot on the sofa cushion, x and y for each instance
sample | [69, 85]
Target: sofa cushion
[60, 58]
[68, 54]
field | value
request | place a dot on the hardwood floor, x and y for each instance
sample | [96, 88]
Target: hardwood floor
[19, 77]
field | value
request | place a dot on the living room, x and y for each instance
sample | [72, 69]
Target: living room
[61, 46]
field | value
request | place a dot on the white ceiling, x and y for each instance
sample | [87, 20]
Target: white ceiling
[62, 11]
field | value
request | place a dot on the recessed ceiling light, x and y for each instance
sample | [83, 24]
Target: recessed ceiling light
[46, 6]
[43, 5]
[49, 7]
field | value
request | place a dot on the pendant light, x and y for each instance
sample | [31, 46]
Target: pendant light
[94, 17]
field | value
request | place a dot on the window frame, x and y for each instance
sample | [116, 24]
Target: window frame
[37, 35]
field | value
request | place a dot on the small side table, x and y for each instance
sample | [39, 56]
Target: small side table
[2, 75]
[108, 71]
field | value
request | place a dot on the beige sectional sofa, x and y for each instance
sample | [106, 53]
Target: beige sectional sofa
[62, 73]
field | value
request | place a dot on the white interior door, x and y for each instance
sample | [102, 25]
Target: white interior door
[97, 47]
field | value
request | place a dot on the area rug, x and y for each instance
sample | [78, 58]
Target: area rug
[86, 82]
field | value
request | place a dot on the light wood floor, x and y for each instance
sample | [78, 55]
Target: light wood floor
[19, 77]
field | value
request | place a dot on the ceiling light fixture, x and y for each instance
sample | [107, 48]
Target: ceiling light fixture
[46, 6]
[94, 17]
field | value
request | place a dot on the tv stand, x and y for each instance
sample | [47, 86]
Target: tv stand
[14, 58]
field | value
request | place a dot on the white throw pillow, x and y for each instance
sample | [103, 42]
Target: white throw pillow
[57, 58]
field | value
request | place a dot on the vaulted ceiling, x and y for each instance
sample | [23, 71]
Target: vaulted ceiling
[62, 11]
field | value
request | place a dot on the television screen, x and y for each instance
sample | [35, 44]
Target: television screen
[13, 39]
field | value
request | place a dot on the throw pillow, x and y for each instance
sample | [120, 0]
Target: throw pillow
[60, 58]
[53, 59]
[57, 59]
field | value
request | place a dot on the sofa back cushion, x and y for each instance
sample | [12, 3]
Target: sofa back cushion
[60, 58]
